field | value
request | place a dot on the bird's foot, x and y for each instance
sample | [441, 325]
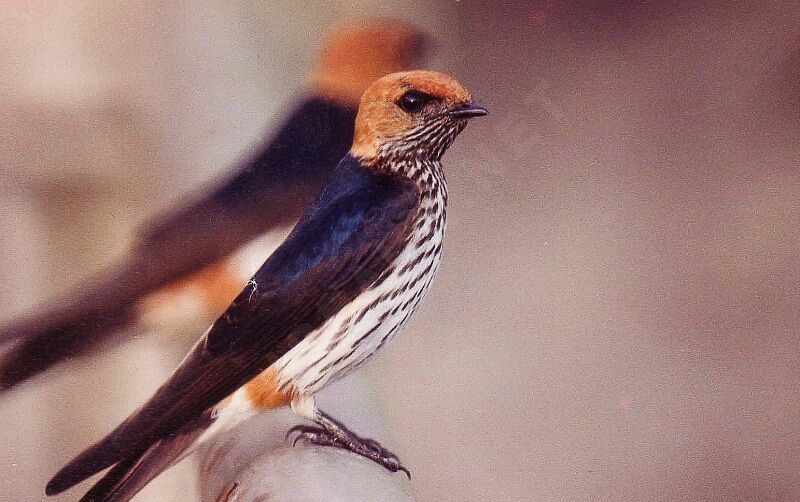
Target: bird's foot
[331, 433]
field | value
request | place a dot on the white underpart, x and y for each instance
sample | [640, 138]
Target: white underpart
[333, 349]
[235, 411]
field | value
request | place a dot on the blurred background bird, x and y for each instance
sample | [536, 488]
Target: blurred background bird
[618, 294]
[190, 262]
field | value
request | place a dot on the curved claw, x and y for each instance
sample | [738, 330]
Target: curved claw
[316, 435]
[342, 438]
[296, 428]
[302, 429]
[392, 463]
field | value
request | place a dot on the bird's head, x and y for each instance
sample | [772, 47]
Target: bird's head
[353, 55]
[413, 115]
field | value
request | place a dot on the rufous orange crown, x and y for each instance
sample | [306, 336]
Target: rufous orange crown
[379, 116]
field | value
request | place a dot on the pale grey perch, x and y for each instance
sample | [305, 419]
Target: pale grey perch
[255, 462]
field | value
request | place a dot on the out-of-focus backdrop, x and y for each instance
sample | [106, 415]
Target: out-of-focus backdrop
[617, 314]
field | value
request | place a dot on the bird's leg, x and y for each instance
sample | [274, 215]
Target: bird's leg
[330, 432]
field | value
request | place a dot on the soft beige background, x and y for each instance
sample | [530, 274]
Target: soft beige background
[617, 315]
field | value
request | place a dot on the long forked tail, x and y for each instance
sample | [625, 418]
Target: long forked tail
[128, 476]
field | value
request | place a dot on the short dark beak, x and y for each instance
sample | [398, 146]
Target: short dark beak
[469, 110]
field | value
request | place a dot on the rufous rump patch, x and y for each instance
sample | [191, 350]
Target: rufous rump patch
[355, 55]
[216, 285]
[263, 393]
[219, 284]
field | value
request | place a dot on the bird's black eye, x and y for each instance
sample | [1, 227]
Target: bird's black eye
[412, 102]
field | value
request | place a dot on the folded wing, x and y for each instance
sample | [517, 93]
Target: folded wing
[345, 243]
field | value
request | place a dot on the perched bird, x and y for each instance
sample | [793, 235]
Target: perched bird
[344, 281]
[188, 255]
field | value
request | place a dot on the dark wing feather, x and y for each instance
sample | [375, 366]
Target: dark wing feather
[347, 241]
[269, 190]
[130, 475]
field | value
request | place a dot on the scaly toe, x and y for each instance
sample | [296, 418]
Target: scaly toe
[329, 432]
[314, 435]
[373, 450]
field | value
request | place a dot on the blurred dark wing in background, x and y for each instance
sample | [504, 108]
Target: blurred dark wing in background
[269, 191]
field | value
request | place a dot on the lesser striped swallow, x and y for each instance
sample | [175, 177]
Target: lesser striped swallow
[187, 250]
[351, 272]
